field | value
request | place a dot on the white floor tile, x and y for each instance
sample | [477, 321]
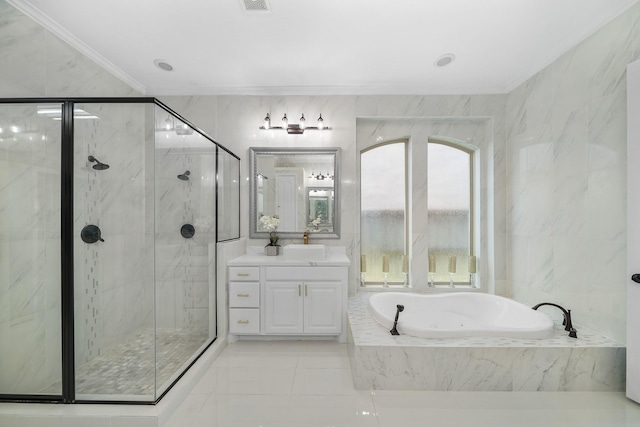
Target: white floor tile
[244, 411]
[323, 382]
[187, 412]
[268, 359]
[254, 381]
[338, 411]
[323, 360]
[480, 409]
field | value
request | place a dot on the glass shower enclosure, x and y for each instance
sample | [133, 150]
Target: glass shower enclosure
[110, 212]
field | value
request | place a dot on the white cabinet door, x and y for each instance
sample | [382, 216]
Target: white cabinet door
[283, 308]
[322, 308]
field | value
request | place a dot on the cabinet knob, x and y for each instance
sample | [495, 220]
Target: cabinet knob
[636, 278]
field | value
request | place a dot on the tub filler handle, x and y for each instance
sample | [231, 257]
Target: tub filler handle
[394, 331]
[568, 326]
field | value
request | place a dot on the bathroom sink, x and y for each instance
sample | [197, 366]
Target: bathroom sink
[304, 252]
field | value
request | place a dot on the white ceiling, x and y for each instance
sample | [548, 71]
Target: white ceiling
[328, 47]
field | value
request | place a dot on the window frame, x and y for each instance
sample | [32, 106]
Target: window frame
[472, 152]
[407, 213]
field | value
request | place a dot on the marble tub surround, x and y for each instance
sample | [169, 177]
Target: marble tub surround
[381, 361]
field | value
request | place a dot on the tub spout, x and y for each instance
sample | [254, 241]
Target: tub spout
[568, 325]
[394, 331]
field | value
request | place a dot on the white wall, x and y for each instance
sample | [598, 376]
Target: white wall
[566, 159]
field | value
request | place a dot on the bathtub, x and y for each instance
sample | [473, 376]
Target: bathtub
[462, 314]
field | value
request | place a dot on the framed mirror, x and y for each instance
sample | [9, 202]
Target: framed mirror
[299, 186]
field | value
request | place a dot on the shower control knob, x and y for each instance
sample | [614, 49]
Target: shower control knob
[91, 234]
[636, 278]
[187, 231]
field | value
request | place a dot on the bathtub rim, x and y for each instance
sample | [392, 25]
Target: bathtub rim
[544, 330]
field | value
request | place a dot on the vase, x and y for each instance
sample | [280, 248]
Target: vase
[272, 250]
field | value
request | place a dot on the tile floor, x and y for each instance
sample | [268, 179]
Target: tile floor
[308, 384]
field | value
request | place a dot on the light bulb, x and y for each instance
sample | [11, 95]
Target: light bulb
[285, 121]
[320, 122]
[267, 122]
[302, 122]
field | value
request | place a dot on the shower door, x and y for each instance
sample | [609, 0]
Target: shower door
[633, 232]
[30, 240]
[113, 252]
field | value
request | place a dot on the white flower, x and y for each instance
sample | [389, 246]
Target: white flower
[270, 223]
[317, 221]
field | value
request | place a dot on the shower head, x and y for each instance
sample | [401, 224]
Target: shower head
[184, 176]
[99, 166]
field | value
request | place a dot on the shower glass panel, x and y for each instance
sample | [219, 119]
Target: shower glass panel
[228, 196]
[113, 253]
[30, 209]
[185, 218]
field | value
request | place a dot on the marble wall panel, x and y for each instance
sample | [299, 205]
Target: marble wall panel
[566, 179]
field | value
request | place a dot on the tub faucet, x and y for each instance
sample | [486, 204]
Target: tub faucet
[568, 326]
[305, 237]
[394, 331]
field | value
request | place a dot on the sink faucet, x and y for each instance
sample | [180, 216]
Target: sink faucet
[568, 326]
[305, 237]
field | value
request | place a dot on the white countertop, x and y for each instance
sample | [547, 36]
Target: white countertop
[335, 257]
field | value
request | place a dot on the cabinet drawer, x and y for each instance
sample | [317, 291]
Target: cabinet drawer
[244, 274]
[244, 294]
[244, 321]
[304, 273]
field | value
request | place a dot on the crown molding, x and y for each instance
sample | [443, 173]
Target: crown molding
[52, 26]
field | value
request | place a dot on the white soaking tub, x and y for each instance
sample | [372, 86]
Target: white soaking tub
[460, 314]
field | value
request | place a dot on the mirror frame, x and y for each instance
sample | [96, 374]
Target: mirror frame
[254, 152]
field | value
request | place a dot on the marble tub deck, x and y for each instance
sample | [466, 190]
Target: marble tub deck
[380, 361]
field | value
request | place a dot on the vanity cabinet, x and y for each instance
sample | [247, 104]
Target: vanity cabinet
[303, 307]
[307, 300]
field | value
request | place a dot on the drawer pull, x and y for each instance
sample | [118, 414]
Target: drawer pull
[243, 321]
[243, 295]
[242, 274]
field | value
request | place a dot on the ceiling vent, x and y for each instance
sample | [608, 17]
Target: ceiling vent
[255, 5]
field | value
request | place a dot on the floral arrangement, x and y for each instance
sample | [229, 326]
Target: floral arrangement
[270, 223]
[316, 222]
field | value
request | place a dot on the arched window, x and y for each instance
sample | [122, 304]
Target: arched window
[450, 210]
[387, 212]
[383, 211]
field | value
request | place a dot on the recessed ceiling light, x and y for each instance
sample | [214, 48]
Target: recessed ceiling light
[444, 60]
[163, 65]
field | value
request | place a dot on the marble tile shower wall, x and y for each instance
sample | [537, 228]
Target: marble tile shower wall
[567, 179]
[37, 63]
[183, 265]
[113, 279]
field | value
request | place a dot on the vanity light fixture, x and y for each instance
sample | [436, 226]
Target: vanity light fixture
[294, 128]
[320, 176]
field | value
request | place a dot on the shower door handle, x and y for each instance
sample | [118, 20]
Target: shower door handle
[636, 278]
